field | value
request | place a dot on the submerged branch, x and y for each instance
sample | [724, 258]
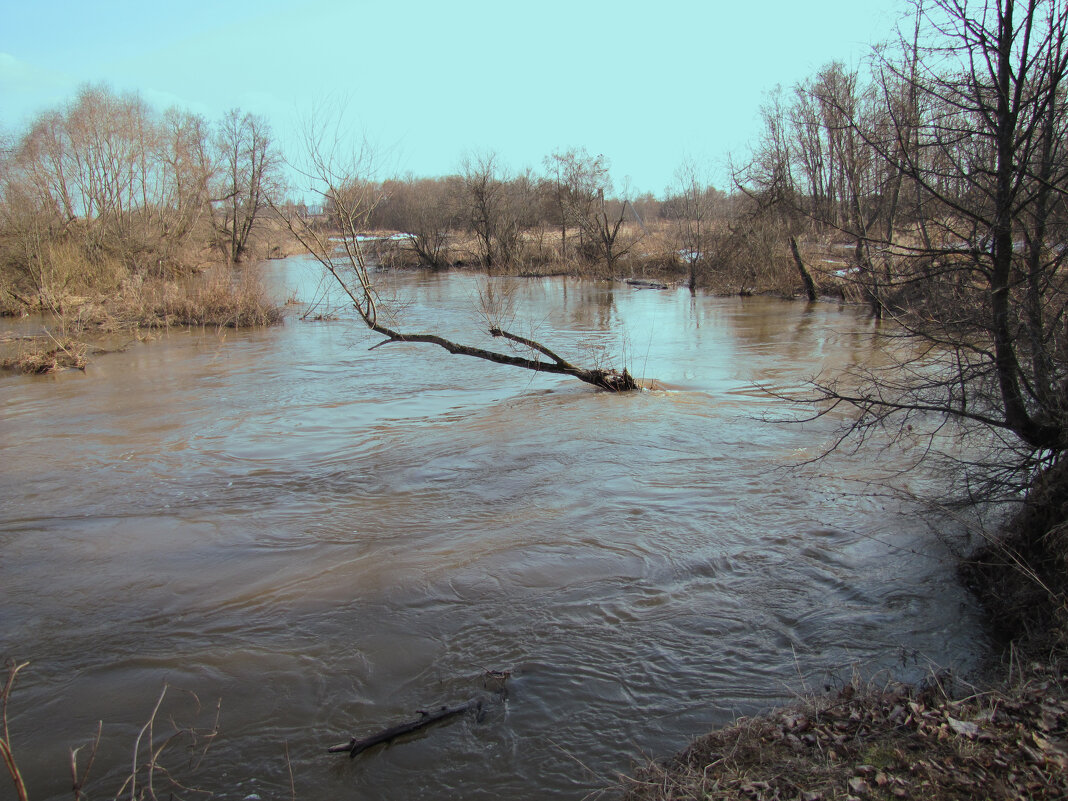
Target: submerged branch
[357, 746]
[530, 343]
[612, 380]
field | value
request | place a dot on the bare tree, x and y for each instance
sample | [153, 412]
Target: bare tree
[582, 187]
[576, 179]
[818, 169]
[602, 229]
[855, 176]
[97, 162]
[987, 319]
[691, 209]
[186, 169]
[484, 201]
[427, 209]
[248, 167]
[770, 172]
[789, 158]
[338, 176]
[99, 189]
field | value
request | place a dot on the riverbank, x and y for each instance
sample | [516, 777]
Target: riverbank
[77, 327]
[939, 741]
[1003, 737]
[651, 253]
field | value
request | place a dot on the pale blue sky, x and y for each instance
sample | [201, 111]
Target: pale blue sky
[648, 84]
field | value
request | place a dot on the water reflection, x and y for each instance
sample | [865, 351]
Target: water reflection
[329, 538]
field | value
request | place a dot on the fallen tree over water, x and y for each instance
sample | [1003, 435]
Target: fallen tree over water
[338, 247]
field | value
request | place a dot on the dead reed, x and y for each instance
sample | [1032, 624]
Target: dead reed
[149, 777]
[221, 298]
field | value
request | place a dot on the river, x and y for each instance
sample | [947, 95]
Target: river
[320, 539]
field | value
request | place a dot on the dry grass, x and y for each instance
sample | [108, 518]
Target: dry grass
[10, 303]
[157, 744]
[44, 354]
[222, 298]
[218, 299]
[7, 754]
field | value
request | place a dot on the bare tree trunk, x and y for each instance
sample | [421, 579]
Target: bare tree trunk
[810, 286]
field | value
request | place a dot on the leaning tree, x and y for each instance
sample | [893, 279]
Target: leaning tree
[337, 174]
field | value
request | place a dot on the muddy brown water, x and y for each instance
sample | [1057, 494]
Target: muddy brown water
[326, 539]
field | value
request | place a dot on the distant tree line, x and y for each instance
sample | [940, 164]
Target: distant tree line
[509, 218]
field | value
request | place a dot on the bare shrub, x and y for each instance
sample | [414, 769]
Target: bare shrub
[47, 354]
[222, 299]
[149, 777]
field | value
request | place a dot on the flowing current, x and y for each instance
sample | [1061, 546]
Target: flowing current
[315, 540]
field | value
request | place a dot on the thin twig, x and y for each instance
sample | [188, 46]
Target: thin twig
[137, 747]
[289, 767]
[79, 781]
[5, 742]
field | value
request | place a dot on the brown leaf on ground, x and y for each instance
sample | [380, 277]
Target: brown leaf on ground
[1011, 742]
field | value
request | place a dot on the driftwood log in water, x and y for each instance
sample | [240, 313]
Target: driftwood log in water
[641, 283]
[356, 746]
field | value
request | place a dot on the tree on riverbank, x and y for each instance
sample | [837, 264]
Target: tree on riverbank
[107, 223]
[978, 283]
[100, 188]
[105, 190]
[691, 207]
[248, 171]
